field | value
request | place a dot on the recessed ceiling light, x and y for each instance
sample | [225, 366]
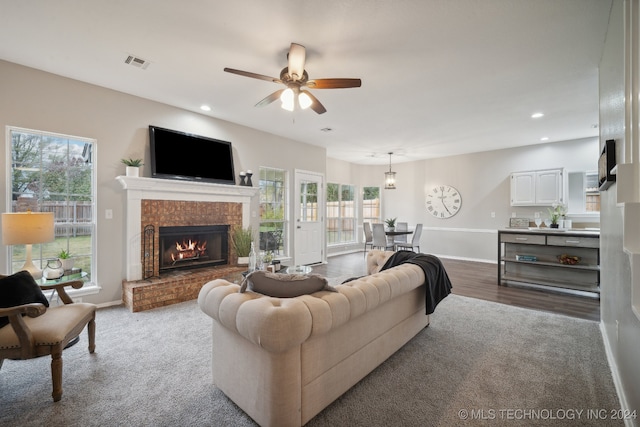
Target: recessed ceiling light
[536, 115]
[205, 108]
[544, 138]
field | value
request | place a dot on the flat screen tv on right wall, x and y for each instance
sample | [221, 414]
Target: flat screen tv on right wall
[606, 162]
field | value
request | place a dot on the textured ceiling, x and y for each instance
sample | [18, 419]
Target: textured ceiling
[439, 77]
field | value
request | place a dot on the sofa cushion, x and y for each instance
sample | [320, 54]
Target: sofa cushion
[17, 289]
[284, 285]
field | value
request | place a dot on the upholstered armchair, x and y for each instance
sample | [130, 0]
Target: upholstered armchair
[34, 329]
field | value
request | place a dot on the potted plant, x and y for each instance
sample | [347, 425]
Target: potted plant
[391, 223]
[558, 212]
[133, 166]
[65, 259]
[241, 239]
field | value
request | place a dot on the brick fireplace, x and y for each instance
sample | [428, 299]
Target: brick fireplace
[168, 203]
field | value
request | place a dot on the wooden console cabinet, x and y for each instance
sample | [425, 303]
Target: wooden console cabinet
[532, 257]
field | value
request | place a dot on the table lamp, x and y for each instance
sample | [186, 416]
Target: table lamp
[27, 228]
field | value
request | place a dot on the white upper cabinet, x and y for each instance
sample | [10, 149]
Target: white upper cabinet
[537, 188]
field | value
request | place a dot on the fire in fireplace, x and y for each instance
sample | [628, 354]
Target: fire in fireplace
[193, 246]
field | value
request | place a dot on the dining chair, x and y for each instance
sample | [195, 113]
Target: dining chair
[415, 240]
[401, 226]
[380, 238]
[368, 236]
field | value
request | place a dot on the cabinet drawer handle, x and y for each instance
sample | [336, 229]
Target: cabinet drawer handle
[522, 238]
[573, 241]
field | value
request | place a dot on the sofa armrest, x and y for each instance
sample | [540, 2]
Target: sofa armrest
[275, 324]
[376, 260]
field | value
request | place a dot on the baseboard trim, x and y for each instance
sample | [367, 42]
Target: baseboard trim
[110, 304]
[615, 374]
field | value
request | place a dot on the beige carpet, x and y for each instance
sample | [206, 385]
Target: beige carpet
[479, 363]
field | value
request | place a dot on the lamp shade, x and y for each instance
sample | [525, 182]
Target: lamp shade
[27, 228]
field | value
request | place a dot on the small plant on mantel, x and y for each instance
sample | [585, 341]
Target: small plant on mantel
[136, 163]
[241, 239]
[133, 166]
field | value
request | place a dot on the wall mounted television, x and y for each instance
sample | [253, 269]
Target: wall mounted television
[184, 156]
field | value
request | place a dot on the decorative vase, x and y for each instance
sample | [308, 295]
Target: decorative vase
[568, 224]
[391, 229]
[53, 270]
[133, 171]
[67, 263]
[554, 226]
[243, 260]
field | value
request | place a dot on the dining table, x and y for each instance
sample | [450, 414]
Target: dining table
[397, 233]
[391, 235]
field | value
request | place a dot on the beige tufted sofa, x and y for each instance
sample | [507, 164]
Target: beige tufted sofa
[283, 360]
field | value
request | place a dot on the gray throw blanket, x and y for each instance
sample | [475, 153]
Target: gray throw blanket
[436, 278]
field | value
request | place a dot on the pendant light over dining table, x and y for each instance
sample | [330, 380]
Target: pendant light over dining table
[390, 177]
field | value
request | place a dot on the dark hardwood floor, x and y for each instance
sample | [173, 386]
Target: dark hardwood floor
[479, 280]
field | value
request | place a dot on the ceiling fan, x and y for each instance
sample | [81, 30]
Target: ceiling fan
[296, 79]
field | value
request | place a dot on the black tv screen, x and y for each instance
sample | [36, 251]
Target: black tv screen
[180, 155]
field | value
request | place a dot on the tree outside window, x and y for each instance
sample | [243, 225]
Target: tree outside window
[371, 204]
[54, 173]
[273, 192]
[341, 213]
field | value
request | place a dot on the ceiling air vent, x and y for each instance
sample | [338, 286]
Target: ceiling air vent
[137, 62]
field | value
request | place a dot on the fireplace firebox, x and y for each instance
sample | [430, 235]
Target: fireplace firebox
[193, 246]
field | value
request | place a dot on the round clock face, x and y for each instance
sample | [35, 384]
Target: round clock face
[443, 201]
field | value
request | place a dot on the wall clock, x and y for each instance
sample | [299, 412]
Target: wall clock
[443, 201]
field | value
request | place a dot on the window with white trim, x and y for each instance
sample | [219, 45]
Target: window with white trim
[273, 211]
[341, 213]
[54, 173]
[371, 205]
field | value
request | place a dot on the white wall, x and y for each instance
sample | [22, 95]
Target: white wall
[37, 100]
[621, 327]
[483, 181]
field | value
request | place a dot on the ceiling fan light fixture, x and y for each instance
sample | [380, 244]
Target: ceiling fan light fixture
[295, 78]
[287, 99]
[304, 100]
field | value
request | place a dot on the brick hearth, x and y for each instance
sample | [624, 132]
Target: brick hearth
[173, 287]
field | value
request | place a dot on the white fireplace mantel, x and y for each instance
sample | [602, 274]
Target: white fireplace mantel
[139, 189]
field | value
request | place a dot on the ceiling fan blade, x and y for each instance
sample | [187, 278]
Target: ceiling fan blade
[333, 83]
[297, 55]
[269, 99]
[315, 104]
[253, 75]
